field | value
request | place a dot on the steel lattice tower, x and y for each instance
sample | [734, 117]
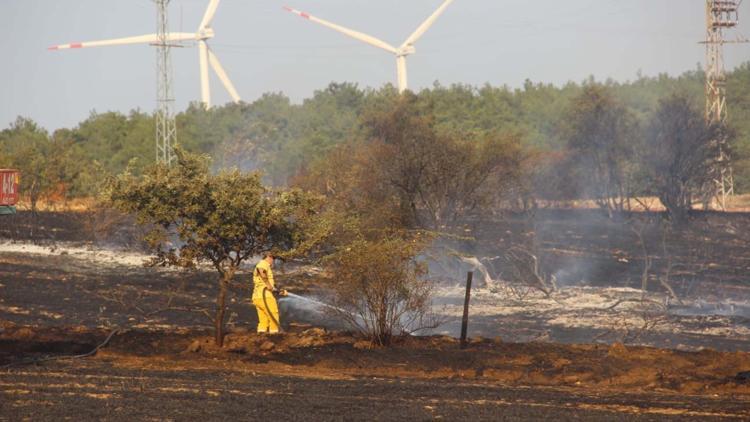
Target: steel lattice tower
[166, 129]
[720, 15]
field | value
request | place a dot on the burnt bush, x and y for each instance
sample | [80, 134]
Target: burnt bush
[406, 173]
[679, 154]
[379, 290]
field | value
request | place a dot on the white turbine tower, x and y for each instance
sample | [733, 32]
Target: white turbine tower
[405, 49]
[204, 33]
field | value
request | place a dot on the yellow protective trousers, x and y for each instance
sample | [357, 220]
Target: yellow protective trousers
[268, 313]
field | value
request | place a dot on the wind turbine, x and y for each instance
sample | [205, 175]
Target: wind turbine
[206, 56]
[401, 52]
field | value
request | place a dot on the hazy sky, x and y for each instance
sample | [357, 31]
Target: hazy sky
[265, 49]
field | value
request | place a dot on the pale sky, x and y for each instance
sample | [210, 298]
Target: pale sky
[265, 49]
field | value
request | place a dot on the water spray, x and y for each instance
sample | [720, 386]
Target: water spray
[315, 302]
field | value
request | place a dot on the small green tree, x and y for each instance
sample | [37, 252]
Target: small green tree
[27, 147]
[222, 219]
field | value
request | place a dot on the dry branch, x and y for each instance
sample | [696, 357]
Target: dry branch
[50, 358]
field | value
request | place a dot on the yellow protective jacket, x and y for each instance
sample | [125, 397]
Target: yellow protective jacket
[262, 271]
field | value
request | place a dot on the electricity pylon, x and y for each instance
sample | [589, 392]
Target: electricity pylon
[720, 15]
[166, 128]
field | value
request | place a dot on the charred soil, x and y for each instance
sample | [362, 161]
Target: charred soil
[162, 362]
[182, 374]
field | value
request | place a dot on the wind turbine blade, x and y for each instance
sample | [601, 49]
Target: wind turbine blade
[346, 31]
[209, 15]
[427, 24]
[140, 39]
[216, 65]
[205, 88]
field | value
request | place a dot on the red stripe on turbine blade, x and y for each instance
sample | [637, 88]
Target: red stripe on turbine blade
[288, 9]
[76, 45]
[54, 47]
[304, 15]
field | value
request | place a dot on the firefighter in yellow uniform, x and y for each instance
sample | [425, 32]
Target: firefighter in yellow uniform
[263, 298]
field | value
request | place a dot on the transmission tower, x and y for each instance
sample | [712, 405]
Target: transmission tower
[721, 15]
[166, 129]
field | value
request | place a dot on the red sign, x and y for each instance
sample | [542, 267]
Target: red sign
[9, 180]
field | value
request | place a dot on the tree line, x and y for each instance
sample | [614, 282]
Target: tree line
[593, 139]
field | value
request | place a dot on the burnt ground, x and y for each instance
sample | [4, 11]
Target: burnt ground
[308, 373]
[97, 390]
[162, 363]
[708, 256]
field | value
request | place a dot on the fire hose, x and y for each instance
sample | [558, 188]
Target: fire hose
[275, 293]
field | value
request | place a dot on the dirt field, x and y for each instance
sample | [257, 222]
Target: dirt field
[161, 362]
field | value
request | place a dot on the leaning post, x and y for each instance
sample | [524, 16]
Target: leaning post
[465, 319]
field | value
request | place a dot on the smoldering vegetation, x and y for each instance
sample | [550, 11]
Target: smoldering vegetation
[494, 207]
[583, 216]
[591, 279]
[598, 264]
